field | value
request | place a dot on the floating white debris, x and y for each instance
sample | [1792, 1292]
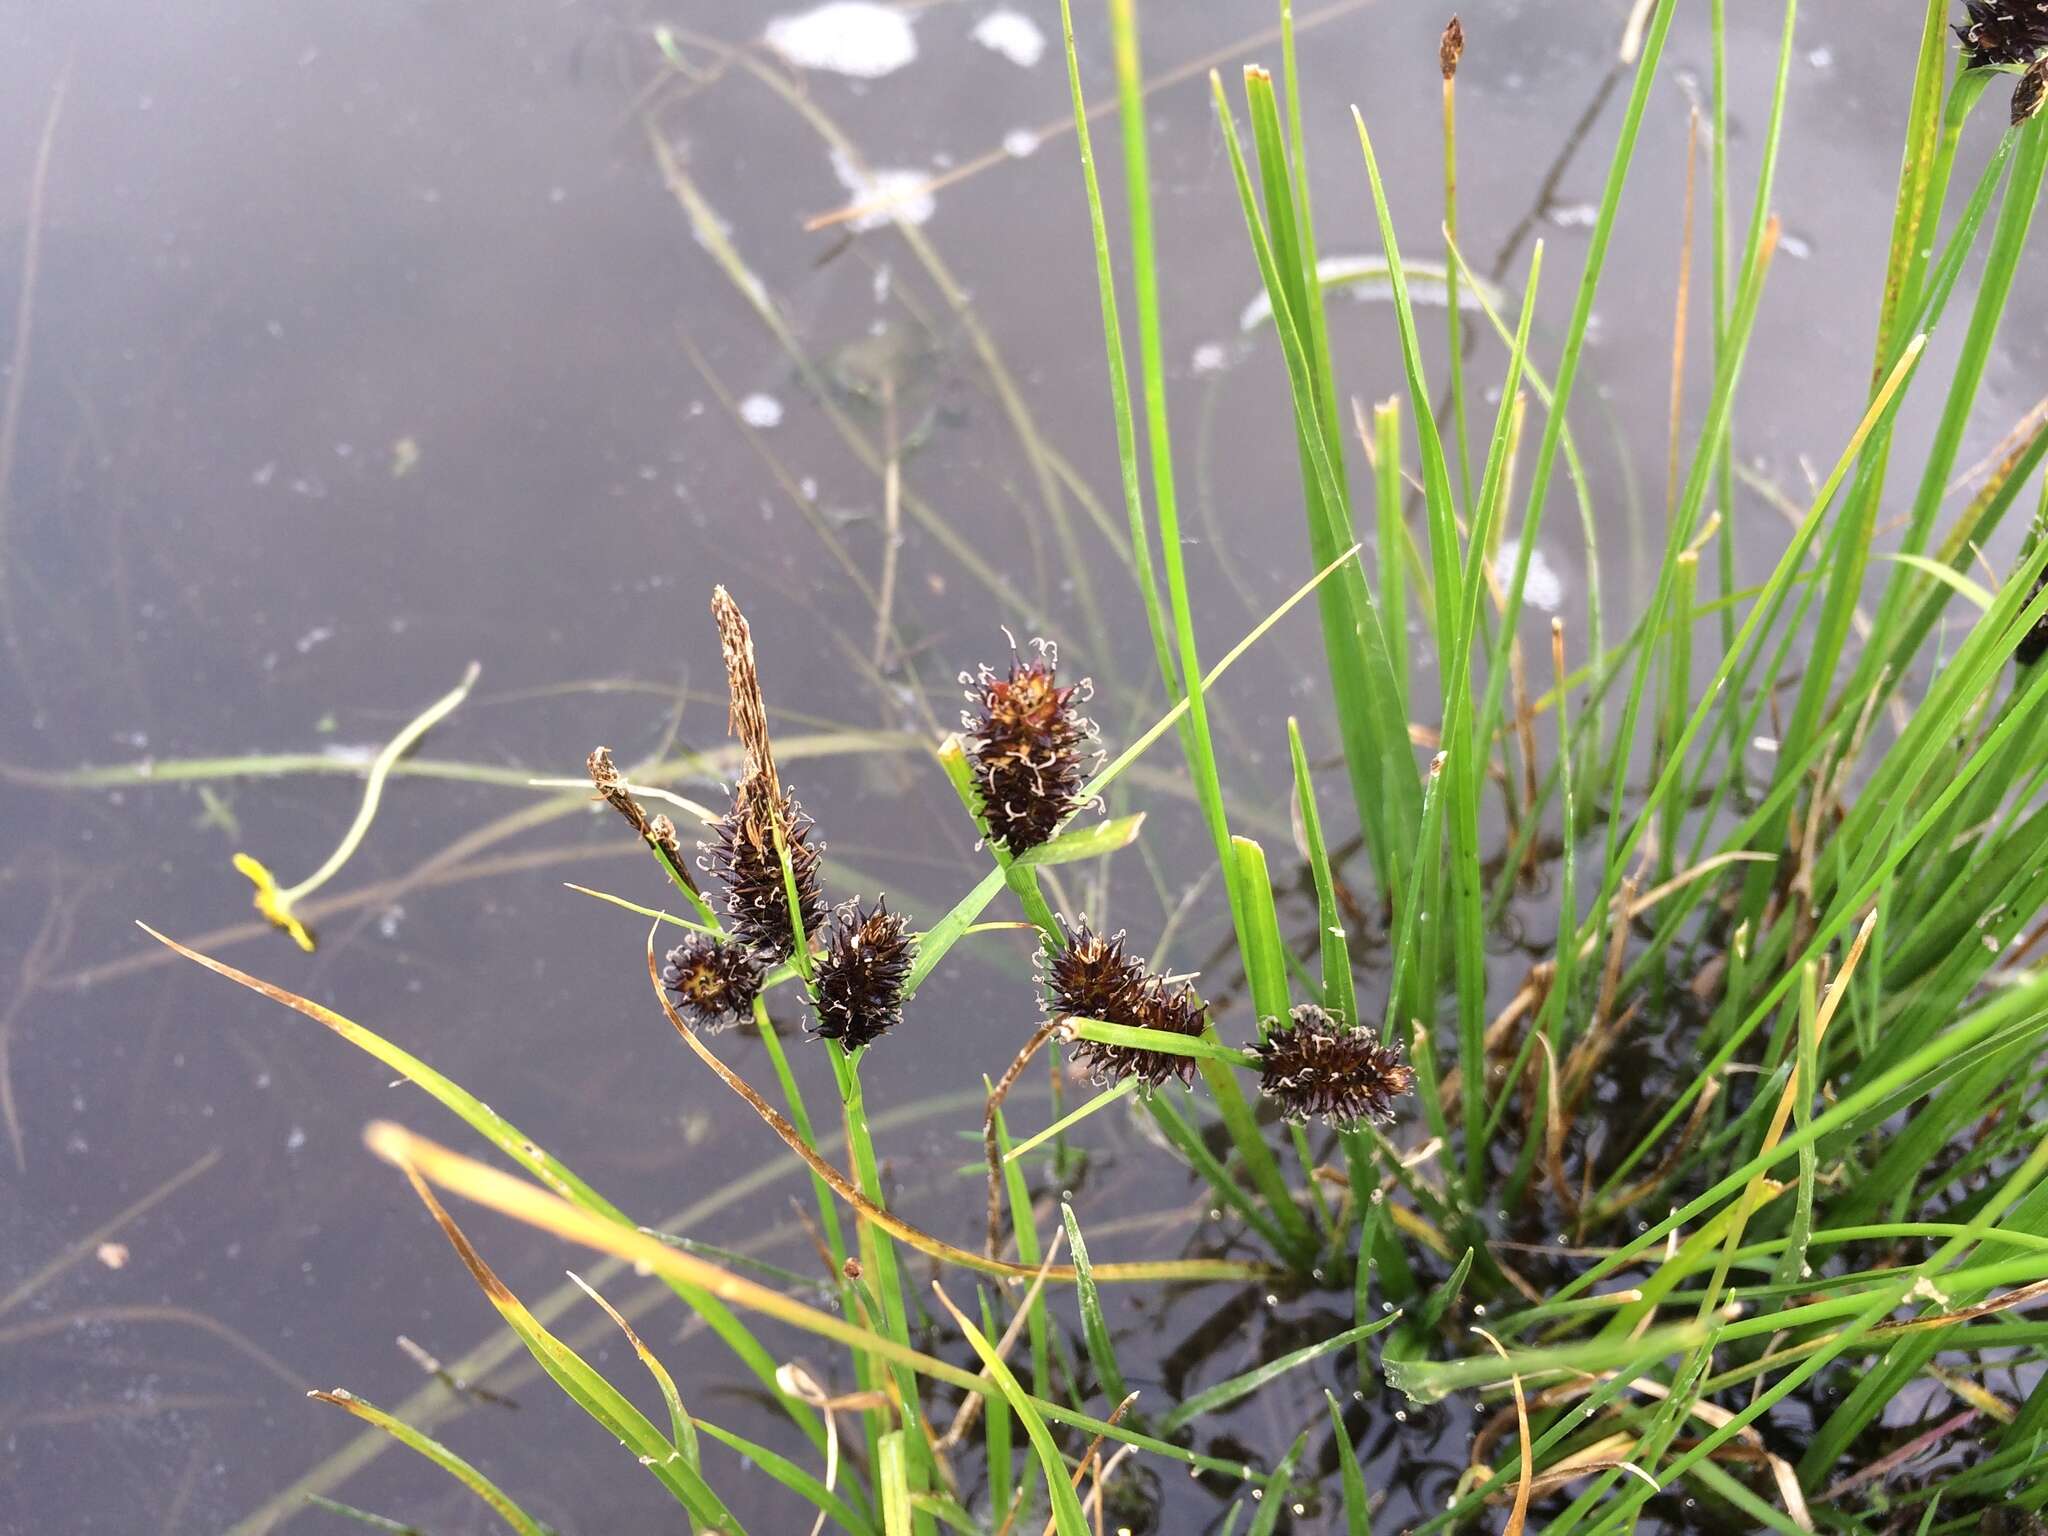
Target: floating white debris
[849, 37]
[1211, 357]
[1544, 589]
[1368, 280]
[759, 410]
[886, 195]
[1012, 34]
[1019, 142]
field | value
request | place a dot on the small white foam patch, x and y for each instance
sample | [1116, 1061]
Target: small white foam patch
[849, 37]
[884, 195]
[759, 410]
[1012, 34]
[1019, 142]
[1211, 357]
[1544, 589]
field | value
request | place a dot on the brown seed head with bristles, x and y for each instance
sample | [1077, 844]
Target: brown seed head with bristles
[2029, 92]
[2003, 32]
[1451, 48]
[1314, 1065]
[1092, 978]
[859, 980]
[741, 857]
[1029, 747]
[715, 980]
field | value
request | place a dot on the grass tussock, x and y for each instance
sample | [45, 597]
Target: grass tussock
[1725, 1204]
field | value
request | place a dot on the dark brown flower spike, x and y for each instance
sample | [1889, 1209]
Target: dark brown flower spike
[859, 978]
[715, 981]
[1029, 746]
[741, 857]
[742, 853]
[2029, 92]
[2003, 32]
[1314, 1065]
[1451, 48]
[1092, 978]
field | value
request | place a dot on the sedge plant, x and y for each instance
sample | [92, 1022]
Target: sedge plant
[1815, 975]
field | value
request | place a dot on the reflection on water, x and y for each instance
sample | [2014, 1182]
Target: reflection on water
[359, 342]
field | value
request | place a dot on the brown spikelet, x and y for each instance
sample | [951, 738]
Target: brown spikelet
[741, 853]
[1028, 745]
[1314, 1065]
[2003, 32]
[1092, 978]
[714, 980]
[611, 787]
[2030, 91]
[662, 833]
[1451, 48]
[859, 979]
[746, 716]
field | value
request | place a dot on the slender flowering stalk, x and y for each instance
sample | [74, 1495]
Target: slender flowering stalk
[1315, 1065]
[714, 980]
[860, 976]
[1029, 746]
[1092, 978]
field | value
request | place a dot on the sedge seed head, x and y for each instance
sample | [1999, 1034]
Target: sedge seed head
[1451, 48]
[1092, 978]
[861, 973]
[2003, 32]
[741, 856]
[715, 981]
[1029, 747]
[1314, 1065]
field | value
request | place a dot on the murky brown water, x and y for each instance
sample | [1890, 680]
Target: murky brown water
[368, 341]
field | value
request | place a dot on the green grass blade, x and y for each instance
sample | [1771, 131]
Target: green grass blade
[1377, 754]
[1066, 1507]
[1225, 1393]
[507, 1138]
[425, 1445]
[796, 1479]
[892, 1473]
[1273, 1495]
[1101, 1351]
[1339, 990]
